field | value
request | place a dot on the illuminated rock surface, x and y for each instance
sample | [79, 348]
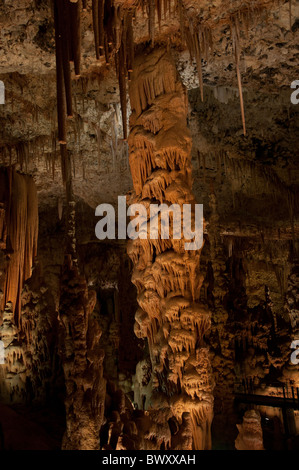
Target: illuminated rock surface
[142, 344]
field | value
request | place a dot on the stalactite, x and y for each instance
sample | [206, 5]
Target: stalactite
[19, 198]
[116, 27]
[159, 11]
[63, 16]
[120, 67]
[130, 43]
[198, 38]
[199, 65]
[108, 23]
[113, 30]
[67, 19]
[204, 167]
[124, 35]
[236, 42]
[101, 26]
[82, 361]
[63, 152]
[22, 153]
[98, 130]
[32, 227]
[151, 20]
[61, 106]
[95, 16]
[165, 8]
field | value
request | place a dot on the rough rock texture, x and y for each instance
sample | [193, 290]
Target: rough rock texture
[19, 230]
[166, 275]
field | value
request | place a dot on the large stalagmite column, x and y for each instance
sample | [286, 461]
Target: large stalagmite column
[18, 234]
[167, 277]
[82, 360]
[18, 249]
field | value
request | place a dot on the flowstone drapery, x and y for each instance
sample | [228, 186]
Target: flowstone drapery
[18, 233]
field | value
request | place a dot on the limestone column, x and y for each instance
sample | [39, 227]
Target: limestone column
[167, 276]
[82, 360]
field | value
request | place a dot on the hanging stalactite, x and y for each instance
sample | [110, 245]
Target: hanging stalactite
[64, 17]
[75, 19]
[18, 197]
[95, 17]
[60, 86]
[235, 30]
[113, 33]
[151, 20]
[166, 275]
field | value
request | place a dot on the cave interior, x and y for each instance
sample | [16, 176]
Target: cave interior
[123, 343]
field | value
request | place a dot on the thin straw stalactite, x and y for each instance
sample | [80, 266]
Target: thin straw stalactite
[67, 20]
[236, 46]
[19, 195]
[101, 26]
[199, 64]
[95, 17]
[61, 105]
[159, 12]
[198, 39]
[130, 42]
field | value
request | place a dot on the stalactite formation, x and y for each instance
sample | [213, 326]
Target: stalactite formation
[167, 277]
[19, 228]
[250, 432]
[67, 20]
[63, 73]
[113, 35]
